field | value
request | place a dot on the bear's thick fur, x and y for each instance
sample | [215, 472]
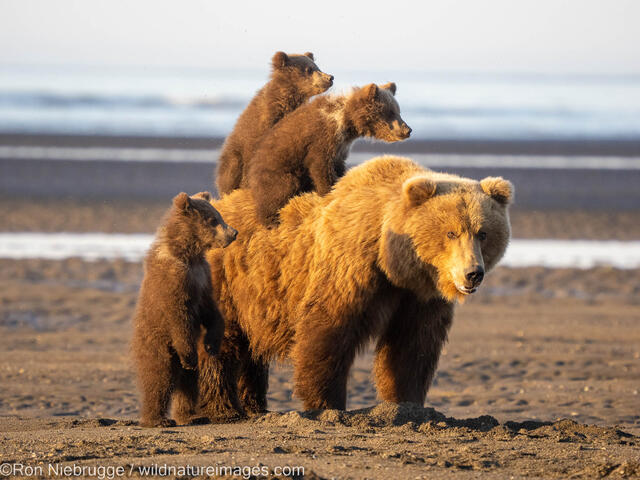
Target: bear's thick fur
[306, 150]
[384, 256]
[175, 315]
[294, 79]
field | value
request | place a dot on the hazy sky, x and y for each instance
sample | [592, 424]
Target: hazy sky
[596, 36]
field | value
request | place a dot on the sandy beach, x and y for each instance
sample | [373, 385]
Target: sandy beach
[540, 378]
[564, 346]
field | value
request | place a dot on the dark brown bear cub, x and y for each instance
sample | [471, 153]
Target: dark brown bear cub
[175, 310]
[295, 79]
[306, 150]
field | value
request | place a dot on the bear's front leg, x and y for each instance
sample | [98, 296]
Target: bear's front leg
[322, 356]
[408, 351]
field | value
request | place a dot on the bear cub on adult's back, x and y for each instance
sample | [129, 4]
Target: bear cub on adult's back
[295, 79]
[175, 310]
[307, 150]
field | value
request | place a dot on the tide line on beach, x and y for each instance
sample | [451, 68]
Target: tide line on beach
[521, 253]
[206, 155]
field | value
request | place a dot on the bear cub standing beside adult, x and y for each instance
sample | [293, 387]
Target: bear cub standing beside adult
[175, 314]
[294, 79]
[306, 150]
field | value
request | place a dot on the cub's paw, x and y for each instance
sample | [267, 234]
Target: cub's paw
[211, 347]
[156, 422]
[189, 361]
[198, 421]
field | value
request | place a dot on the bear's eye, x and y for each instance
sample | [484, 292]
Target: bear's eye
[308, 70]
[482, 236]
[452, 235]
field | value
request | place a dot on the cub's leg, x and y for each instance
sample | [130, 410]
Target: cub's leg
[184, 403]
[229, 172]
[271, 190]
[157, 370]
[218, 381]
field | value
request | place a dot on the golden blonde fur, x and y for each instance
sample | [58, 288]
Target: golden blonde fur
[371, 259]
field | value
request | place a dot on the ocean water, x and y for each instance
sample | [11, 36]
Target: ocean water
[132, 247]
[207, 102]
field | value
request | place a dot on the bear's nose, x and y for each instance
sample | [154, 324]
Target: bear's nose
[233, 233]
[475, 275]
[331, 78]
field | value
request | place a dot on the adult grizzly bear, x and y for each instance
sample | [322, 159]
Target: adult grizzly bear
[294, 79]
[385, 255]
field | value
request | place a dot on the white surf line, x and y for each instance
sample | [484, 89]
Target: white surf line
[572, 254]
[211, 155]
[88, 246]
[88, 154]
[132, 247]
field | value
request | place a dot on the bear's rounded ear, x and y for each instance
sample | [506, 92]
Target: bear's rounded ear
[418, 190]
[279, 60]
[498, 188]
[389, 86]
[204, 195]
[182, 201]
[370, 91]
[310, 55]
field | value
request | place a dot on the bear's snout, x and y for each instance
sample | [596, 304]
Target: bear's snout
[327, 79]
[405, 130]
[231, 234]
[474, 275]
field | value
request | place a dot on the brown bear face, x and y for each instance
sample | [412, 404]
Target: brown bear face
[452, 232]
[205, 222]
[301, 71]
[375, 113]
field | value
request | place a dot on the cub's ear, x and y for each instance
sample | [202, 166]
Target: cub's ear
[370, 91]
[498, 188]
[203, 195]
[389, 86]
[182, 201]
[310, 55]
[279, 60]
[418, 190]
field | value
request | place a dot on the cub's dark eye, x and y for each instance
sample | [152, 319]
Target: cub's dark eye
[308, 70]
[482, 236]
[451, 235]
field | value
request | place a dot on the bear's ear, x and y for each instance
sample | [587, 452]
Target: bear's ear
[370, 91]
[389, 86]
[418, 190]
[310, 55]
[182, 201]
[279, 60]
[204, 196]
[498, 188]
